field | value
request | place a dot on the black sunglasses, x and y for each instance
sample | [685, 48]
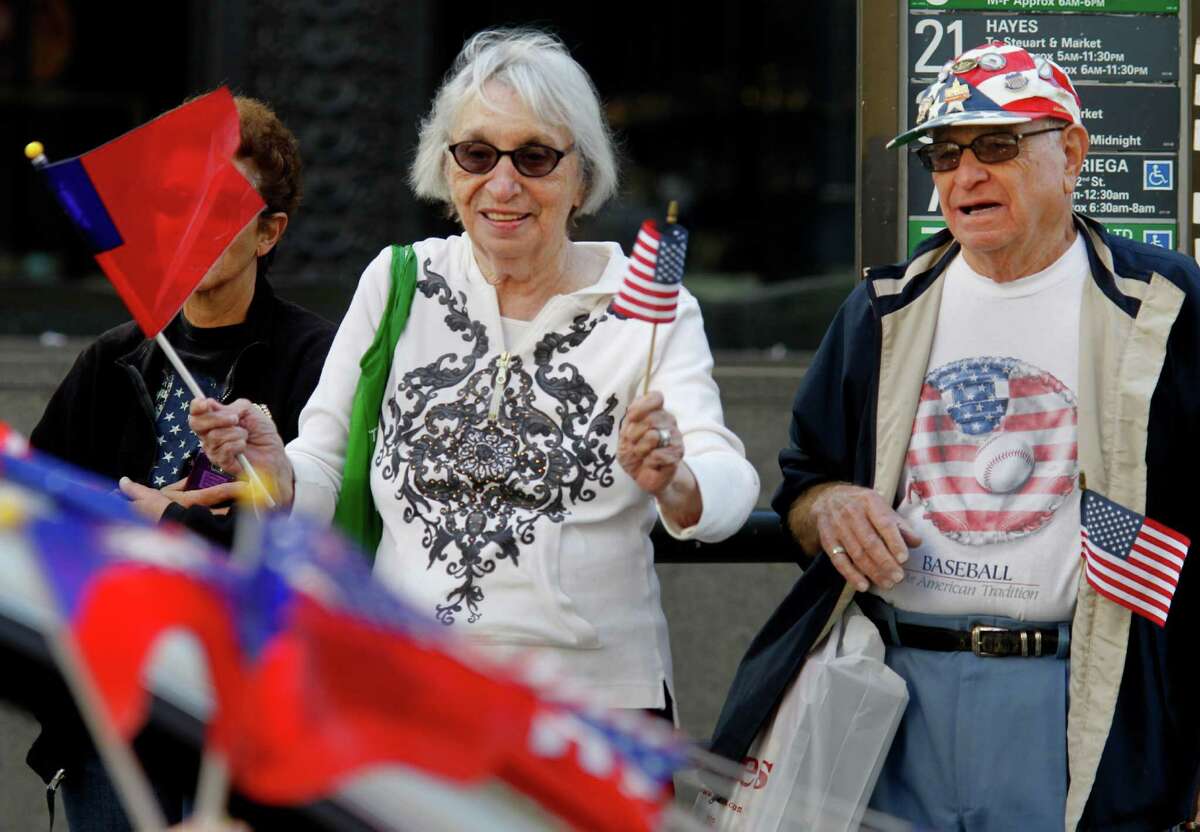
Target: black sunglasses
[988, 148]
[529, 159]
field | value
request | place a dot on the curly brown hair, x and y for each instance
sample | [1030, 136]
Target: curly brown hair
[275, 152]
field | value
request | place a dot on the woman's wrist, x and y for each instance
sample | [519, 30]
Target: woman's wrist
[287, 484]
[680, 501]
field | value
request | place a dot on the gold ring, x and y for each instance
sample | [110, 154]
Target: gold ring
[838, 550]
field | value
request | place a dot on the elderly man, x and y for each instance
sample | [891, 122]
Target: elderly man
[938, 447]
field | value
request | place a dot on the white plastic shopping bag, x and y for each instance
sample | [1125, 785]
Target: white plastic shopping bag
[814, 764]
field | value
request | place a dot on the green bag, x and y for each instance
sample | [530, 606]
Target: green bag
[356, 515]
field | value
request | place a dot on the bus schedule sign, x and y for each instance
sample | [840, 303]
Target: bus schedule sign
[1124, 57]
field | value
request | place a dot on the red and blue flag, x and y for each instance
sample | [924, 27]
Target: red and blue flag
[160, 204]
[120, 586]
[119, 582]
[319, 673]
[67, 486]
[348, 676]
[345, 677]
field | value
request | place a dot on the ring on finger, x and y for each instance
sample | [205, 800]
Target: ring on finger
[838, 550]
[664, 437]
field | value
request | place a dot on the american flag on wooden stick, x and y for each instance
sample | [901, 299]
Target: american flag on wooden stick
[1130, 559]
[651, 288]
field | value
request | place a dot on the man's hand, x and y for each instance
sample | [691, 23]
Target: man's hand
[229, 430]
[151, 502]
[866, 541]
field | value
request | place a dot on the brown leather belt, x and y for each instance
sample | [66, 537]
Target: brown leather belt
[982, 640]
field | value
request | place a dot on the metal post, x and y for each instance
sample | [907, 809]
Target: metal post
[877, 231]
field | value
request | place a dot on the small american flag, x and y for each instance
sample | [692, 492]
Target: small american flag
[651, 288]
[1130, 559]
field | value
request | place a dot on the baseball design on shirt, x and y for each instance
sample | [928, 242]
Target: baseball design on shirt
[1004, 463]
[993, 452]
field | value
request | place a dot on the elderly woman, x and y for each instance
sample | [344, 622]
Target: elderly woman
[517, 469]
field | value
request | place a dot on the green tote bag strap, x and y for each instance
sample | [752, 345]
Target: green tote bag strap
[356, 515]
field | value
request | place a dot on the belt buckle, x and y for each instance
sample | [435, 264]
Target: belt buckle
[977, 641]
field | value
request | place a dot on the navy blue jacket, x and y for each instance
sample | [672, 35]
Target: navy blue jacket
[1135, 748]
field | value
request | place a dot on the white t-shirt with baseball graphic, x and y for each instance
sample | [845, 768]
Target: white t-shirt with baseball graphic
[991, 478]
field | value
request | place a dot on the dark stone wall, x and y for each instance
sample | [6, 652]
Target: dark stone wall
[351, 78]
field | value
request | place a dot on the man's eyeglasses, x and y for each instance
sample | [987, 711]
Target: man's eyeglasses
[529, 159]
[988, 148]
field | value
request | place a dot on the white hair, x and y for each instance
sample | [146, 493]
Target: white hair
[537, 67]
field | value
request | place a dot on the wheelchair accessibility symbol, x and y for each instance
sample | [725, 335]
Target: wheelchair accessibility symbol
[1162, 239]
[1158, 174]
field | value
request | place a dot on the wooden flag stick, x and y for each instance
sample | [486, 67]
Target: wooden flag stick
[649, 360]
[212, 790]
[213, 785]
[176, 362]
[137, 796]
[672, 217]
[134, 790]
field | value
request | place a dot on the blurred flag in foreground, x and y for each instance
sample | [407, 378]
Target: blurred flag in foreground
[11, 442]
[344, 676]
[650, 291]
[320, 675]
[110, 584]
[160, 204]
[598, 769]
[70, 487]
[1129, 558]
[348, 677]
[119, 586]
[119, 582]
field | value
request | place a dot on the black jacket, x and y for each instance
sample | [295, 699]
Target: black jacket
[102, 415]
[102, 418]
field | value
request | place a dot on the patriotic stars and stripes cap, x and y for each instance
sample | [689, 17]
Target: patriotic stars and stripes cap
[996, 84]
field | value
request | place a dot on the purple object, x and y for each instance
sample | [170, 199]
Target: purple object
[205, 475]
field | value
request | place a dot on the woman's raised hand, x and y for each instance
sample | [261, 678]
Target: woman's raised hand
[228, 430]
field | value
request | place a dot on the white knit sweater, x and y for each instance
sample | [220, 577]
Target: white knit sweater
[506, 514]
